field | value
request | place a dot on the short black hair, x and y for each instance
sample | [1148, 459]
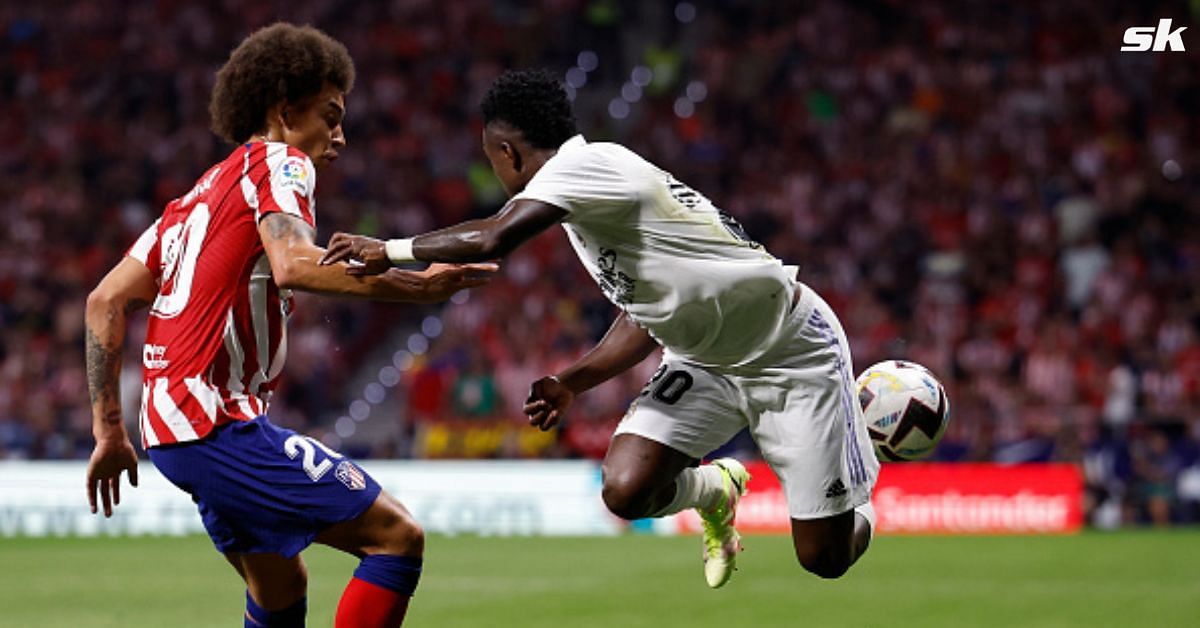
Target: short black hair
[279, 62]
[534, 103]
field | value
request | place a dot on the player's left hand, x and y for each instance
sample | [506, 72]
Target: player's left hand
[548, 400]
[366, 255]
[109, 459]
[443, 280]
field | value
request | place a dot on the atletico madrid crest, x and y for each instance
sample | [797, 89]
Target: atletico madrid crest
[351, 476]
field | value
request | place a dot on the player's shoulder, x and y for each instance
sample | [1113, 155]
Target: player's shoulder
[273, 155]
[282, 163]
[295, 158]
[598, 149]
[589, 156]
[290, 151]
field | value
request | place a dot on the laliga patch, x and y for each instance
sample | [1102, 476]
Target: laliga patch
[351, 476]
[294, 174]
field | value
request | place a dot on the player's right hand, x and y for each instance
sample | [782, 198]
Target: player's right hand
[366, 255]
[548, 400]
[109, 459]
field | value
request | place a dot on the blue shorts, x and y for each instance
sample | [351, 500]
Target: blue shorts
[262, 488]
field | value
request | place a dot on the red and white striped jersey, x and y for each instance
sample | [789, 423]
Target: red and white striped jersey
[217, 338]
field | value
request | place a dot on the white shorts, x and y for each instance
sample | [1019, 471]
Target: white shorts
[798, 400]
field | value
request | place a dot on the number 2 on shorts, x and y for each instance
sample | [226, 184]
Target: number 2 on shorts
[297, 443]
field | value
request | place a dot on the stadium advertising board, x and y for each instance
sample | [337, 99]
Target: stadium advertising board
[487, 498]
[979, 498]
[915, 498]
[563, 498]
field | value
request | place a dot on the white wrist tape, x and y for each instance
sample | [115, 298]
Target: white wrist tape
[400, 250]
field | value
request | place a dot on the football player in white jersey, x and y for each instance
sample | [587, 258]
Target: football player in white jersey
[745, 344]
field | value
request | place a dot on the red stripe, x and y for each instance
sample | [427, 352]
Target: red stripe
[260, 176]
[164, 434]
[191, 408]
[232, 411]
[305, 210]
[144, 417]
[274, 331]
[221, 364]
[256, 173]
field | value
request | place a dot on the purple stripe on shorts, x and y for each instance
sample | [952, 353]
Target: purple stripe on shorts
[854, 461]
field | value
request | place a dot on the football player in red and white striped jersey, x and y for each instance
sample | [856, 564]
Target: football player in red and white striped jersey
[218, 270]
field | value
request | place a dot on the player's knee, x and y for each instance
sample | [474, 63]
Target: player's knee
[823, 562]
[403, 536]
[298, 582]
[275, 588]
[625, 497]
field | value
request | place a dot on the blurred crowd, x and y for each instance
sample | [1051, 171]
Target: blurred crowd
[992, 190]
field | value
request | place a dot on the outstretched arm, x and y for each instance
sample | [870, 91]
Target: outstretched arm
[288, 242]
[128, 287]
[489, 238]
[471, 241]
[623, 347]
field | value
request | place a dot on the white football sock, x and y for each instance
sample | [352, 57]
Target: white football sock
[867, 510]
[700, 487]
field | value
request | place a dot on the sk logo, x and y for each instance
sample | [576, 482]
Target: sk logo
[1157, 39]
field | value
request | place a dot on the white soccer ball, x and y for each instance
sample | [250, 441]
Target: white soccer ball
[905, 407]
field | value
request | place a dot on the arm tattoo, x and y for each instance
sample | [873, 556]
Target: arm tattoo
[103, 369]
[112, 418]
[282, 226]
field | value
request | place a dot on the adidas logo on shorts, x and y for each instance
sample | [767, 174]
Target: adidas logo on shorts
[836, 489]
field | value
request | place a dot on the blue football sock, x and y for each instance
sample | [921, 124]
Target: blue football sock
[290, 617]
[394, 573]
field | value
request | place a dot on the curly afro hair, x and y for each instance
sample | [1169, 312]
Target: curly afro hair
[534, 103]
[280, 62]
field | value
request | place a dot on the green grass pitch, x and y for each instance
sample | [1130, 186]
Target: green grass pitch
[1093, 579]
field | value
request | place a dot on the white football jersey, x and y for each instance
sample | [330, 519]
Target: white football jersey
[665, 255]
